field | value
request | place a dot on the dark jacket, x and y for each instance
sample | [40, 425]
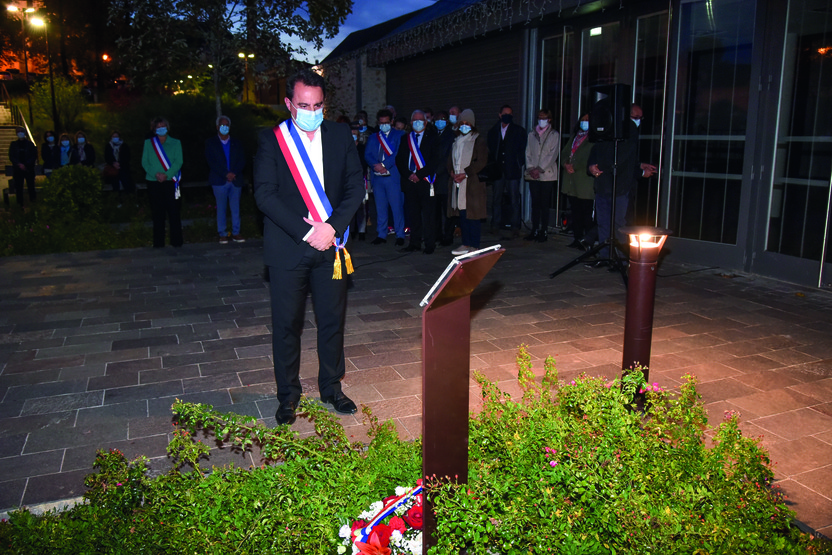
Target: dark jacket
[430, 152]
[23, 151]
[279, 199]
[515, 149]
[219, 165]
[627, 170]
[89, 154]
[51, 155]
[124, 174]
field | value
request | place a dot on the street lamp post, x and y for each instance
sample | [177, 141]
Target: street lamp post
[39, 22]
[245, 57]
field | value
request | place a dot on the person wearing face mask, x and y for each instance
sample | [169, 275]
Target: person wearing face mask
[23, 155]
[308, 184]
[162, 163]
[467, 198]
[226, 162]
[577, 184]
[542, 149]
[444, 224]
[602, 161]
[507, 149]
[117, 171]
[417, 159]
[68, 156]
[50, 153]
[453, 117]
[380, 154]
[86, 152]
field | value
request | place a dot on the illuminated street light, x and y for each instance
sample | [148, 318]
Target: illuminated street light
[246, 57]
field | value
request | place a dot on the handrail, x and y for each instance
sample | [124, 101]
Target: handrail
[18, 119]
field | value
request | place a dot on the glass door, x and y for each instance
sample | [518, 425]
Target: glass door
[797, 241]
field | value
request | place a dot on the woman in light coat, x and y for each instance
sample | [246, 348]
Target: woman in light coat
[466, 196]
[542, 151]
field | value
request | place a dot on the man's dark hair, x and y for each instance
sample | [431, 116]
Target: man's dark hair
[308, 78]
[384, 113]
[440, 114]
[504, 106]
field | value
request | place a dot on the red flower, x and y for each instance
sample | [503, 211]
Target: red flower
[357, 525]
[373, 546]
[397, 523]
[383, 532]
[387, 500]
[413, 518]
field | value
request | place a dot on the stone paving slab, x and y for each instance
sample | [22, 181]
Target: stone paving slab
[94, 348]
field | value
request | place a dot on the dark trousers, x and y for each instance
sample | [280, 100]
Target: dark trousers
[471, 230]
[541, 196]
[444, 224]
[422, 209]
[581, 216]
[18, 178]
[164, 207]
[329, 301]
[603, 208]
[513, 187]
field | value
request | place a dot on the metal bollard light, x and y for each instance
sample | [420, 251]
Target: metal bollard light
[645, 244]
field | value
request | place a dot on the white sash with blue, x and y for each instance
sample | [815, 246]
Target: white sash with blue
[165, 161]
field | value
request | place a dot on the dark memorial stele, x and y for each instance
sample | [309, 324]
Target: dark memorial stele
[446, 353]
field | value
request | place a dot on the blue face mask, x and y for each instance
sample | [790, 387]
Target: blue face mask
[81, 140]
[418, 125]
[584, 126]
[161, 131]
[115, 141]
[464, 129]
[21, 135]
[637, 121]
[440, 124]
[452, 118]
[384, 127]
[50, 139]
[224, 129]
[355, 138]
[309, 120]
[64, 143]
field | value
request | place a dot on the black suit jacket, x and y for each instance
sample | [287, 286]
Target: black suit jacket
[446, 144]
[218, 166]
[280, 201]
[430, 152]
[515, 148]
[628, 169]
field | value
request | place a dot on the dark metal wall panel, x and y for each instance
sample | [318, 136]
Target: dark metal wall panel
[482, 75]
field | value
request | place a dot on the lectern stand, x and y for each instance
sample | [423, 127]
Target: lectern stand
[446, 353]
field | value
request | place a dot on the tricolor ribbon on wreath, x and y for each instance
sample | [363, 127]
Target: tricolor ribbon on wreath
[165, 161]
[364, 533]
[418, 159]
[311, 187]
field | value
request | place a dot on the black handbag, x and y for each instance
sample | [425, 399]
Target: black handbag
[491, 172]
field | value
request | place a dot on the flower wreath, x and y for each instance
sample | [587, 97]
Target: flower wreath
[392, 526]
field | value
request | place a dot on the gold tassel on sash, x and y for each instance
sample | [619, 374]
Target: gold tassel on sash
[336, 269]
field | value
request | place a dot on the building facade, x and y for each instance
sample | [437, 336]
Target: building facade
[737, 99]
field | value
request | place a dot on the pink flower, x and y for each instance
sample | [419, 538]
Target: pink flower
[553, 464]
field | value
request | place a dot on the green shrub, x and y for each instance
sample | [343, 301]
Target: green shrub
[569, 468]
[73, 193]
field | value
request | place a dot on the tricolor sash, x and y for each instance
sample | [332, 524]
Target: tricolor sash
[385, 146]
[418, 159]
[165, 161]
[310, 185]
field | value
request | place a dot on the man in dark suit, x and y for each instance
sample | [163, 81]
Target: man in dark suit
[300, 251]
[417, 160]
[23, 155]
[226, 162]
[507, 147]
[445, 224]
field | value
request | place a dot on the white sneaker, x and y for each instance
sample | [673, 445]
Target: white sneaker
[462, 249]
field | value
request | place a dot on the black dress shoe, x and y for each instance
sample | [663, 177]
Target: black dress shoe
[429, 250]
[597, 264]
[341, 403]
[542, 237]
[286, 413]
[531, 236]
[362, 236]
[446, 242]
[400, 241]
[378, 241]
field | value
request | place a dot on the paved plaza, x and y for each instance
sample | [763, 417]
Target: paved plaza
[94, 348]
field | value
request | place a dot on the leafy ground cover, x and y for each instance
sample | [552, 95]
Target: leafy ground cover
[571, 467]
